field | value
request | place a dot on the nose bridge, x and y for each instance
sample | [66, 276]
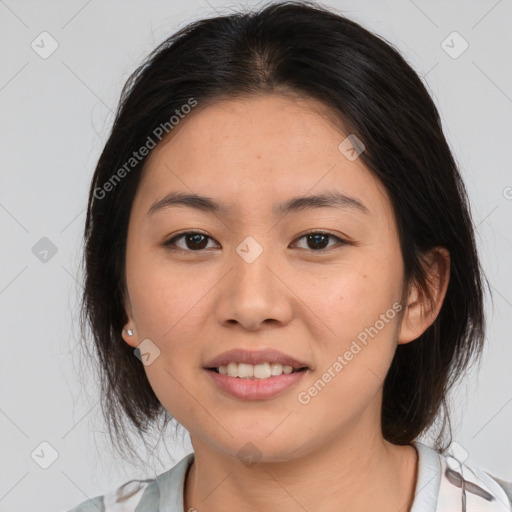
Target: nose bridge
[252, 259]
[252, 293]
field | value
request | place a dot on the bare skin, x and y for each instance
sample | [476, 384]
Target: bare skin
[327, 454]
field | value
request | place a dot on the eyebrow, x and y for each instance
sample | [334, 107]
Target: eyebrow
[301, 203]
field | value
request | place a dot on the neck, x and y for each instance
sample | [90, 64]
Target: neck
[355, 470]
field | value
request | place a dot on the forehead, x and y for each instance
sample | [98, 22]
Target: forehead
[257, 126]
[258, 151]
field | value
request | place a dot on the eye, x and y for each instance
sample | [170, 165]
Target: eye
[196, 241]
[318, 240]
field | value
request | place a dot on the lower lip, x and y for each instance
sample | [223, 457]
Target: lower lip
[256, 389]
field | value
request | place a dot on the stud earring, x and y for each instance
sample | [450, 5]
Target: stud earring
[129, 332]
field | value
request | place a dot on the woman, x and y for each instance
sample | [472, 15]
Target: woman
[278, 231]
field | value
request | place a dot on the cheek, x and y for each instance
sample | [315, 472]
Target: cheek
[352, 295]
[359, 304]
[353, 366]
[164, 297]
[173, 392]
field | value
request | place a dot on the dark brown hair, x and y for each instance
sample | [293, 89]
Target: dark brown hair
[310, 50]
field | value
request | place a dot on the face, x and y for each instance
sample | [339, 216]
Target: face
[249, 277]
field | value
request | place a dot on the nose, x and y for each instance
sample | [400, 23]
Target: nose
[254, 294]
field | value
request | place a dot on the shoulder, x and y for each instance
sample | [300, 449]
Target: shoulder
[455, 484]
[92, 505]
[144, 495]
[506, 486]
[129, 494]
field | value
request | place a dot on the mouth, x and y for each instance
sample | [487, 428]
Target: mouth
[255, 372]
[262, 386]
[259, 363]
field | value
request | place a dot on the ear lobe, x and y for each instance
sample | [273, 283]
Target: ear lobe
[131, 339]
[422, 310]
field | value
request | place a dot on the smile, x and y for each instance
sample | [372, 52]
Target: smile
[256, 388]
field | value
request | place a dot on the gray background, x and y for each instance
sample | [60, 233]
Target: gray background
[55, 117]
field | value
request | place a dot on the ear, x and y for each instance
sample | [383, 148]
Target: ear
[132, 340]
[420, 312]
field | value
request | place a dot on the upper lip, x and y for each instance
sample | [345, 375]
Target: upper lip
[254, 357]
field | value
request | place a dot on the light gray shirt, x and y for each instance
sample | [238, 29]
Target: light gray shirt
[443, 485]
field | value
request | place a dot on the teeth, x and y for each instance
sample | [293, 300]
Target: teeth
[258, 371]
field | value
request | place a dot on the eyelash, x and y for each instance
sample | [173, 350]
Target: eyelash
[171, 242]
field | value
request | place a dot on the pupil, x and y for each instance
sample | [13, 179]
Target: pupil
[195, 240]
[315, 238]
